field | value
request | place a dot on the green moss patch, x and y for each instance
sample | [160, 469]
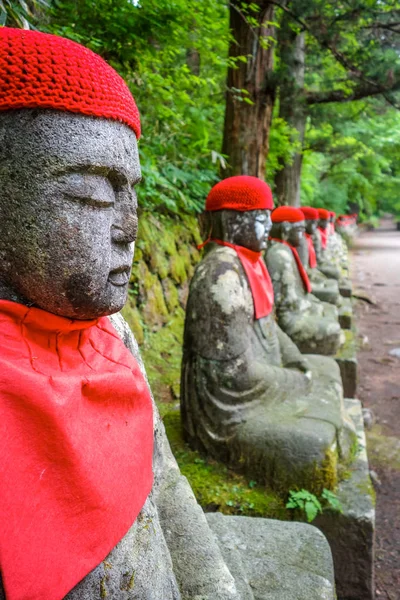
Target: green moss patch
[216, 487]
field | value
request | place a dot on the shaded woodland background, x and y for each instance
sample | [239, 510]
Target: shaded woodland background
[303, 93]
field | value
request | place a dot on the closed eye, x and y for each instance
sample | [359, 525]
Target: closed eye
[95, 202]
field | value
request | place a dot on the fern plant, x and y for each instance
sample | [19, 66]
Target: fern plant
[308, 503]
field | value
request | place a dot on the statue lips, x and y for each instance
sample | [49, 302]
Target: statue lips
[120, 276]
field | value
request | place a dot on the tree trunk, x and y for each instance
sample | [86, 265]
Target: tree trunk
[247, 125]
[292, 108]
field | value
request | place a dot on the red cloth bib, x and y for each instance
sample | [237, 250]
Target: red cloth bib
[258, 278]
[324, 236]
[76, 448]
[301, 269]
[312, 257]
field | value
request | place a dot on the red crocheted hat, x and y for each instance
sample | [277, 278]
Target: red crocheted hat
[332, 213]
[323, 213]
[310, 213]
[242, 193]
[39, 70]
[287, 213]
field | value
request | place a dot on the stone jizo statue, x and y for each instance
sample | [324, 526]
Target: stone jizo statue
[313, 325]
[320, 240]
[93, 503]
[323, 288]
[249, 398]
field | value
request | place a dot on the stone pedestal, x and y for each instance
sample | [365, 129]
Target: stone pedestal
[351, 533]
[346, 358]
[346, 313]
[284, 561]
[345, 287]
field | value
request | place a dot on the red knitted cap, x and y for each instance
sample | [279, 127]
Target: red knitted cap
[287, 213]
[242, 193]
[39, 70]
[332, 213]
[310, 213]
[323, 213]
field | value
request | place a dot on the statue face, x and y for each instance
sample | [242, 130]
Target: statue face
[250, 229]
[295, 233]
[68, 211]
[323, 223]
[311, 226]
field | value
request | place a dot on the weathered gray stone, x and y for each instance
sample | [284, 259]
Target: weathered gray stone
[325, 289]
[351, 534]
[346, 358]
[345, 313]
[313, 325]
[246, 397]
[285, 561]
[345, 287]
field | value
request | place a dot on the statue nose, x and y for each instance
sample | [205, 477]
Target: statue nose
[124, 229]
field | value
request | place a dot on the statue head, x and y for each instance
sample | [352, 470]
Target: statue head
[238, 211]
[288, 224]
[324, 218]
[311, 218]
[67, 178]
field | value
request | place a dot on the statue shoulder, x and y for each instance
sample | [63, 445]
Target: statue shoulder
[220, 307]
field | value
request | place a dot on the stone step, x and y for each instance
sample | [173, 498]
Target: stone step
[345, 287]
[274, 560]
[346, 313]
[351, 533]
[346, 358]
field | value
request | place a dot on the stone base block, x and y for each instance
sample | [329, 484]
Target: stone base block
[273, 560]
[345, 288]
[346, 358]
[346, 313]
[351, 533]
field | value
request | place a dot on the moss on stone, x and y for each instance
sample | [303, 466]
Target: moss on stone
[218, 488]
[162, 355]
[171, 294]
[348, 350]
[133, 318]
[177, 268]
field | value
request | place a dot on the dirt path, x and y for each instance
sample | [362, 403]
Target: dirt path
[376, 273]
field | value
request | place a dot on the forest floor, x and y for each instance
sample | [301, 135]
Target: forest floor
[375, 261]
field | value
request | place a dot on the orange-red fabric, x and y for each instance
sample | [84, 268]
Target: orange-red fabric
[324, 236]
[40, 70]
[241, 193]
[312, 257]
[287, 213]
[310, 213]
[299, 264]
[323, 213]
[258, 278]
[76, 430]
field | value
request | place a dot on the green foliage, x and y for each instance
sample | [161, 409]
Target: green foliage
[21, 13]
[173, 56]
[307, 503]
[351, 158]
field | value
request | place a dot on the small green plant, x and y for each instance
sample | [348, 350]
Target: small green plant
[305, 501]
[332, 500]
[308, 503]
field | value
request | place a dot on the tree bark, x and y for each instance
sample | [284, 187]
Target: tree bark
[247, 125]
[292, 108]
